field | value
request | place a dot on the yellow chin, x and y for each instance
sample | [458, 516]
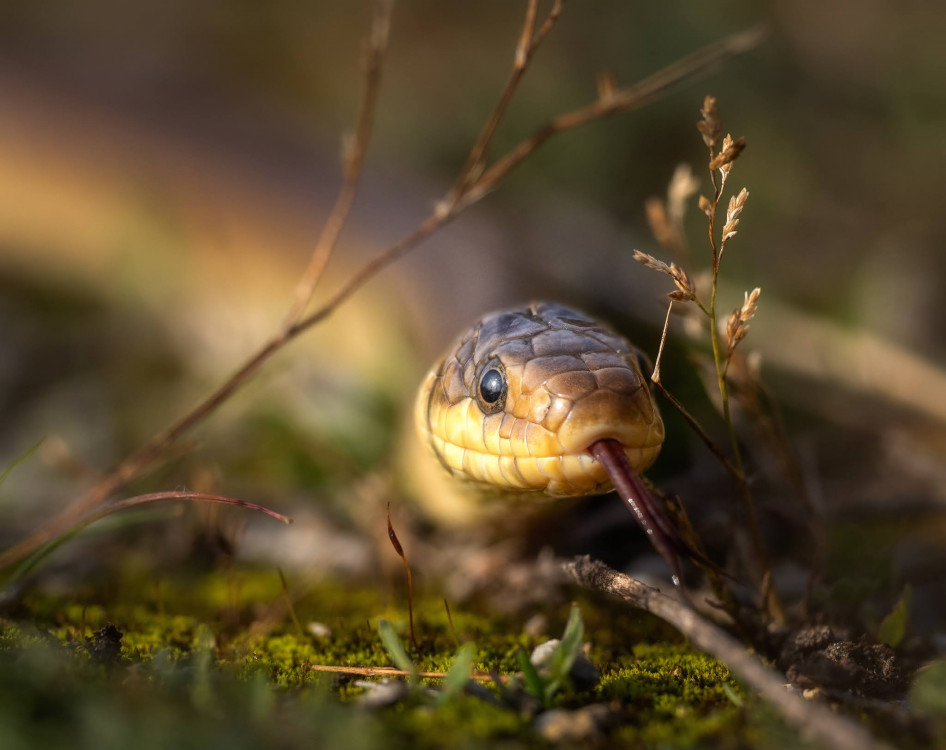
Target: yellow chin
[566, 475]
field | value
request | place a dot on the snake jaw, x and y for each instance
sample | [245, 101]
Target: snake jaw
[604, 414]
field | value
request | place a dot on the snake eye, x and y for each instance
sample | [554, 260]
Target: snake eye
[492, 390]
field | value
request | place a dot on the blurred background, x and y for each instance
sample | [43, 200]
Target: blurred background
[165, 168]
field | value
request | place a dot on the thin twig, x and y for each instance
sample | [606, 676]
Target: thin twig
[132, 502]
[453, 630]
[141, 460]
[289, 605]
[392, 672]
[622, 100]
[203, 497]
[445, 211]
[810, 718]
[353, 157]
[449, 208]
[691, 420]
[529, 42]
[655, 375]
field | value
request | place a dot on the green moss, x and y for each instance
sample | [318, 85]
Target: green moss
[222, 645]
[467, 722]
[673, 695]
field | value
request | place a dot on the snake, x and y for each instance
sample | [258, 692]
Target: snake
[545, 400]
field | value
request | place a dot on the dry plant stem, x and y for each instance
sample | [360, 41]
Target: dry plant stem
[289, 605]
[392, 672]
[691, 420]
[175, 495]
[396, 543]
[812, 719]
[771, 603]
[529, 42]
[445, 211]
[353, 158]
[622, 100]
[453, 630]
[655, 375]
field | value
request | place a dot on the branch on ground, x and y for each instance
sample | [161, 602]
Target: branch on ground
[813, 720]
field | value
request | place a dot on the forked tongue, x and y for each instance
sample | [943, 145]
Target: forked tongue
[650, 514]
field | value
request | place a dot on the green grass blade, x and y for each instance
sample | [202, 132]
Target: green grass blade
[533, 681]
[40, 555]
[459, 673]
[20, 459]
[564, 657]
[894, 627]
[395, 649]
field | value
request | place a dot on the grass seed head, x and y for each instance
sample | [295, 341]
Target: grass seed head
[686, 289]
[659, 222]
[651, 262]
[706, 205]
[736, 204]
[727, 155]
[682, 185]
[709, 126]
[738, 324]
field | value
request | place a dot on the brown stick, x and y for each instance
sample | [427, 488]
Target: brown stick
[622, 100]
[353, 158]
[529, 42]
[444, 212]
[812, 719]
[392, 672]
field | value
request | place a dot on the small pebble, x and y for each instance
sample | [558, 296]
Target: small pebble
[319, 630]
[536, 625]
[583, 672]
[583, 724]
[381, 694]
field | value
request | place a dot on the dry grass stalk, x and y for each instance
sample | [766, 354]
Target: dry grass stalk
[666, 217]
[724, 162]
[607, 86]
[659, 222]
[683, 185]
[685, 290]
[396, 543]
[474, 182]
[710, 128]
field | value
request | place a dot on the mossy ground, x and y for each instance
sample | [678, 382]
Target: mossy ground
[217, 659]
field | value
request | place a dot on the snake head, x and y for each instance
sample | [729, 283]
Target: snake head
[520, 397]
